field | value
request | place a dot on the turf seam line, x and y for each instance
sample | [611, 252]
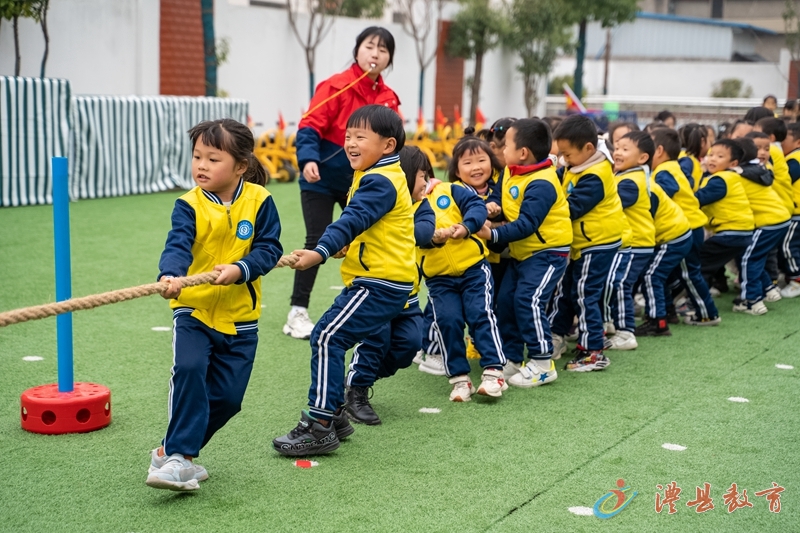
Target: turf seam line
[578, 468]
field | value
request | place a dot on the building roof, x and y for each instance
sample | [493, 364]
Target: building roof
[707, 21]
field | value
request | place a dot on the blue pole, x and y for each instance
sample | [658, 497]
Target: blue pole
[63, 271]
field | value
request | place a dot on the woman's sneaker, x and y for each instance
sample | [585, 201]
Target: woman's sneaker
[586, 361]
[462, 389]
[751, 308]
[531, 375]
[310, 437]
[177, 473]
[623, 340]
[298, 324]
[433, 365]
[792, 290]
[492, 383]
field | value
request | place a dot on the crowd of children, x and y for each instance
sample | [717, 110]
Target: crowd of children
[544, 231]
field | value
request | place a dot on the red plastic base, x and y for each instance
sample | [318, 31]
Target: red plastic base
[45, 410]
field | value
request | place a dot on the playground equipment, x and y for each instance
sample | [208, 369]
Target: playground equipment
[277, 153]
[69, 407]
[438, 145]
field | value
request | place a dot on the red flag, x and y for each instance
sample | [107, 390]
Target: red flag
[420, 119]
[456, 115]
[281, 122]
[573, 102]
[480, 120]
[441, 120]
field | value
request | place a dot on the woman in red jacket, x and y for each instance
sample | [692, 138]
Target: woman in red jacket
[326, 173]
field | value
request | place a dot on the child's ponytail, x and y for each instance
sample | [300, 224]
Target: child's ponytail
[255, 172]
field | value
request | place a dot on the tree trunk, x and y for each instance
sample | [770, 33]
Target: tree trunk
[578, 87]
[46, 38]
[476, 87]
[310, 65]
[18, 62]
[209, 46]
[421, 85]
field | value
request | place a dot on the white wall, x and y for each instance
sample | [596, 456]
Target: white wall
[267, 65]
[101, 46]
[678, 78]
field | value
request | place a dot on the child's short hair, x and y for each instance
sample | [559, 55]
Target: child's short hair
[533, 134]
[668, 138]
[577, 130]
[691, 137]
[467, 145]
[665, 115]
[382, 121]
[793, 129]
[734, 147]
[412, 160]
[754, 114]
[756, 135]
[773, 126]
[653, 126]
[643, 142]
[749, 149]
[497, 133]
[235, 138]
[553, 121]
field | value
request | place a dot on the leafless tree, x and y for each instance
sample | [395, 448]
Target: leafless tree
[321, 15]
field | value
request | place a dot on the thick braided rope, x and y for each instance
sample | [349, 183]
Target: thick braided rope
[96, 300]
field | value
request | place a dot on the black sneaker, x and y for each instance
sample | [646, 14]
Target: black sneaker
[342, 425]
[356, 403]
[672, 317]
[695, 320]
[308, 438]
[657, 327]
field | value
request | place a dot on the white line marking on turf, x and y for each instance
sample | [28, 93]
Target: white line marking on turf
[32, 358]
[581, 511]
[738, 399]
[337, 287]
[673, 447]
[784, 367]
[263, 306]
[433, 410]
[161, 328]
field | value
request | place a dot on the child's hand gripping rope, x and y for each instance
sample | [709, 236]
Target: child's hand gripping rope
[167, 286]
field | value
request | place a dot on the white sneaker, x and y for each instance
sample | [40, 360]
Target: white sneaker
[419, 358]
[462, 389]
[298, 325]
[433, 365]
[158, 461]
[623, 340]
[757, 308]
[609, 328]
[714, 292]
[492, 383]
[559, 346]
[773, 294]
[511, 369]
[531, 375]
[178, 473]
[792, 290]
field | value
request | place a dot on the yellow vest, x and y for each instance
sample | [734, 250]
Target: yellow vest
[457, 255]
[638, 215]
[385, 250]
[783, 182]
[669, 220]
[795, 155]
[731, 213]
[556, 228]
[217, 243]
[685, 197]
[605, 223]
[765, 203]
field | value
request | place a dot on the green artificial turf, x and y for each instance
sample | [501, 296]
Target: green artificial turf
[516, 464]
